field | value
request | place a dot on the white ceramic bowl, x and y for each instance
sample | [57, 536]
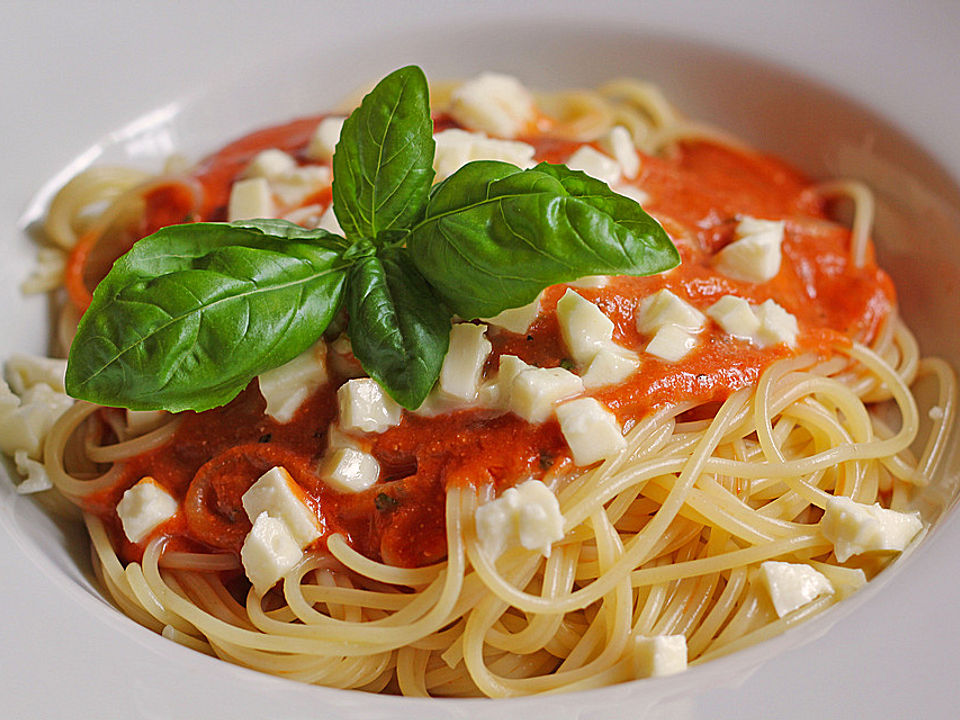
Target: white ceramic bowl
[839, 92]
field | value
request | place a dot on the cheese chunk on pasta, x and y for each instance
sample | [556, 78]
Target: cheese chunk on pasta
[269, 552]
[493, 103]
[144, 507]
[591, 431]
[350, 470]
[658, 655]
[792, 585]
[365, 406]
[285, 388]
[276, 494]
[527, 515]
[855, 528]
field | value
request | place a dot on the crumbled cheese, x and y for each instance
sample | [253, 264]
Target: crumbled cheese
[350, 470]
[735, 316]
[456, 147]
[591, 430]
[286, 387]
[671, 343]
[855, 528]
[276, 494]
[612, 364]
[517, 319]
[496, 104]
[595, 164]
[619, 143]
[583, 326]
[463, 363]
[658, 655]
[935, 413]
[270, 164]
[325, 138]
[34, 474]
[269, 552]
[792, 585]
[663, 309]
[143, 508]
[528, 515]
[364, 405]
[26, 420]
[250, 198]
[24, 371]
[755, 256]
[534, 392]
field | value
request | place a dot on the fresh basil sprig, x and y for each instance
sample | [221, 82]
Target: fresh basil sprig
[188, 317]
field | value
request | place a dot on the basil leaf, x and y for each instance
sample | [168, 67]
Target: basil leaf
[493, 236]
[383, 163]
[194, 312]
[398, 328]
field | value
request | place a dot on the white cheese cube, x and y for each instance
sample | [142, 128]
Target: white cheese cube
[591, 430]
[325, 138]
[509, 367]
[583, 325]
[26, 420]
[463, 364]
[671, 343]
[776, 325]
[285, 388]
[270, 164]
[269, 552]
[792, 585]
[24, 371]
[534, 392]
[735, 316]
[496, 104]
[855, 528]
[34, 473]
[527, 515]
[456, 147]
[250, 198]
[595, 164]
[328, 221]
[664, 308]
[620, 145]
[517, 319]
[144, 507]
[611, 365]
[294, 187]
[350, 470]
[755, 256]
[365, 406]
[276, 494]
[658, 655]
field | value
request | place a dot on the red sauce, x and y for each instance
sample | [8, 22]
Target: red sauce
[699, 194]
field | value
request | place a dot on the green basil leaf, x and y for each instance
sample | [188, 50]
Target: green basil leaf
[383, 163]
[194, 312]
[399, 329]
[493, 236]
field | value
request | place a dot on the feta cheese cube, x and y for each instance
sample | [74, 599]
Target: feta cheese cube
[250, 198]
[26, 420]
[776, 325]
[270, 164]
[595, 164]
[591, 430]
[144, 507]
[278, 495]
[365, 406]
[24, 371]
[526, 515]
[328, 221]
[792, 585]
[620, 145]
[534, 392]
[663, 308]
[456, 147]
[658, 655]
[612, 364]
[671, 343]
[325, 138]
[517, 319]
[350, 470]
[583, 325]
[285, 388]
[735, 316]
[34, 473]
[269, 552]
[754, 257]
[855, 528]
[496, 104]
[463, 364]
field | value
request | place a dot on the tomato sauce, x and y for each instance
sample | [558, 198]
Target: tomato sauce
[700, 192]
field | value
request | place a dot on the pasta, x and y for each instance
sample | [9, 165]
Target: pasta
[751, 392]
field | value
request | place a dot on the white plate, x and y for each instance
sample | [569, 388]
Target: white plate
[807, 80]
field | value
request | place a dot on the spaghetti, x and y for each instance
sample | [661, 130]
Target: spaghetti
[732, 452]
